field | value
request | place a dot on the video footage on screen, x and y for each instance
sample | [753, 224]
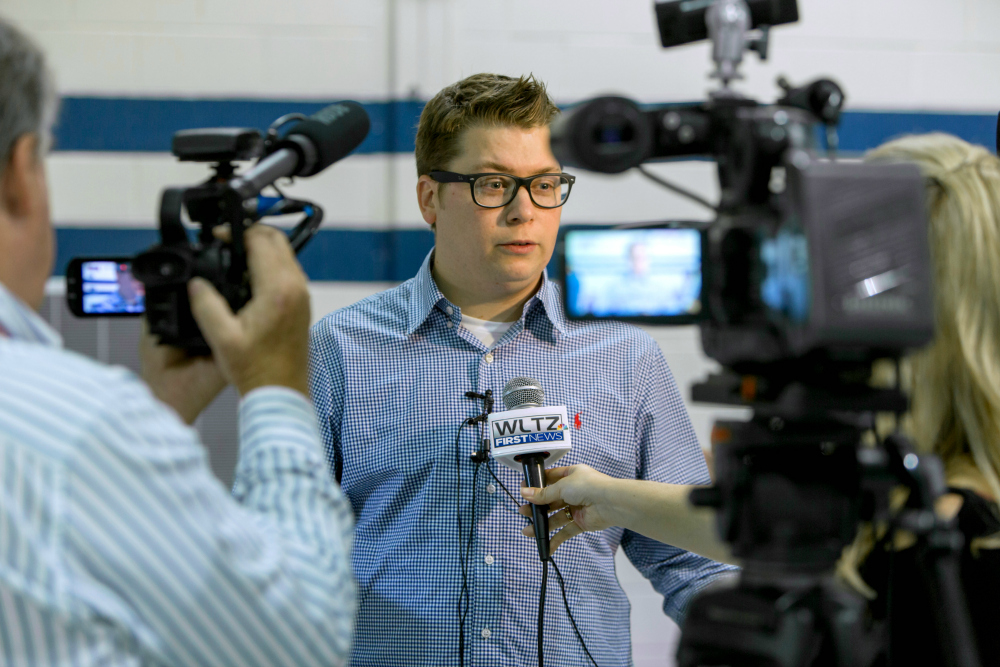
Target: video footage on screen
[109, 287]
[633, 273]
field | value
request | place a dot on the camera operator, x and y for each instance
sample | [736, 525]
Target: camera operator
[954, 386]
[117, 544]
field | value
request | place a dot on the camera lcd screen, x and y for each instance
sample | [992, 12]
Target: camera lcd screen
[786, 286]
[108, 287]
[633, 273]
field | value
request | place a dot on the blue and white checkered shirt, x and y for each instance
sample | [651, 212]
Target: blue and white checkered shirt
[389, 376]
[119, 547]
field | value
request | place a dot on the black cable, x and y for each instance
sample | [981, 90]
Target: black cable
[502, 485]
[472, 527]
[562, 587]
[541, 612]
[463, 593]
[468, 546]
[463, 555]
[562, 584]
[676, 189]
[545, 575]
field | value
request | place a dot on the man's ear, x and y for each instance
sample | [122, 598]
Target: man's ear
[19, 177]
[428, 199]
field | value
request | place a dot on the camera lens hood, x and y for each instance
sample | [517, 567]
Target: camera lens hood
[608, 135]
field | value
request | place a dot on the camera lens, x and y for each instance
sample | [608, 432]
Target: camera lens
[609, 135]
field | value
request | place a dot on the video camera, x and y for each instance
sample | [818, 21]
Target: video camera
[155, 281]
[812, 269]
[809, 258]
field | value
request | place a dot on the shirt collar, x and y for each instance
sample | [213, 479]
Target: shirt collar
[427, 296]
[19, 322]
[550, 296]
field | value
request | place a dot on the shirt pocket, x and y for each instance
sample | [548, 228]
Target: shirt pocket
[603, 432]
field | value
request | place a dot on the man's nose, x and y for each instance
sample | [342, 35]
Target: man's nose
[521, 208]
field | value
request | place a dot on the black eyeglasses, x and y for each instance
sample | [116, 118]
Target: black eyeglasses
[498, 190]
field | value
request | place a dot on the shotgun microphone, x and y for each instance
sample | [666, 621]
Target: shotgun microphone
[310, 146]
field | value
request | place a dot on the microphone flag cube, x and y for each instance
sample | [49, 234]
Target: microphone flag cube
[515, 433]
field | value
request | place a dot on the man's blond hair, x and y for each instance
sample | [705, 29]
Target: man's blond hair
[481, 99]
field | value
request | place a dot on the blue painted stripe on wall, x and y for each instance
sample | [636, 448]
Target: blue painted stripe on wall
[863, 130]
[144, 124]
[333, 254]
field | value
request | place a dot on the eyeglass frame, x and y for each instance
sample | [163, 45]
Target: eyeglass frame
[455, 177]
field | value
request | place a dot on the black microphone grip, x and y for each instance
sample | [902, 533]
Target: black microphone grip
[534, 476]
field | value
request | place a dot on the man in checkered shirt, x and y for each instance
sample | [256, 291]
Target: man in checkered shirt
[389, 377]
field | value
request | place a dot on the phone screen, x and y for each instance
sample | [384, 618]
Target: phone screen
[633, 273]
[108, 287]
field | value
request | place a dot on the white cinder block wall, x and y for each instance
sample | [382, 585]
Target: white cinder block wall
[903, 55]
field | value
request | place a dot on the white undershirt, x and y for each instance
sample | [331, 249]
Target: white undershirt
[485, 330]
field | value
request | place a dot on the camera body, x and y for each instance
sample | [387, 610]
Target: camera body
[166, 268]
[96, 286]
[806, 257]
[810, 271]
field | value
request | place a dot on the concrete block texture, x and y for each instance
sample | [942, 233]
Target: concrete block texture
[901, 55]
[386, 48]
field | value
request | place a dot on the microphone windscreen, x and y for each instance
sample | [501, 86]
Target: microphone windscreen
[334, 131]
[523, 392]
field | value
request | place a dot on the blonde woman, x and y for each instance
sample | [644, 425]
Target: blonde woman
[955, 388]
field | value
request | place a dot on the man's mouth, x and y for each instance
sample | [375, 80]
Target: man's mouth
[519, 247]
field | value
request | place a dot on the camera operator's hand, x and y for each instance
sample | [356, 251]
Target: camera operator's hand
[187, 384]
[267, 342]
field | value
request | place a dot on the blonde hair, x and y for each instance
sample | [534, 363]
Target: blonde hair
[954, 383]
[480, 99]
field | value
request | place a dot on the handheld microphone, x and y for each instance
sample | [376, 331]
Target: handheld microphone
[525, 437]
[310, 146]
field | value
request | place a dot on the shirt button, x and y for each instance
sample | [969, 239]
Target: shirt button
[486, 633]
[449, 310]
[489, 559]
[491, 488]
[489, 357]
[449, 324]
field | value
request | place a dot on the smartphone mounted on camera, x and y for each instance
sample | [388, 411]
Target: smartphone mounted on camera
[104, 287]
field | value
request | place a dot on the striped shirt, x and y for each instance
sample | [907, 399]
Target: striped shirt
[119, 547]
[389, 376]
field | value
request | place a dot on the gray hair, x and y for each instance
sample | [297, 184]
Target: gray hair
[28, 100]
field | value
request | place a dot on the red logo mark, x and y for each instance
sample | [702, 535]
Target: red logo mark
[576, 421]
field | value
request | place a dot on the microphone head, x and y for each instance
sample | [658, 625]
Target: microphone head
[523, 392]
[333, 132]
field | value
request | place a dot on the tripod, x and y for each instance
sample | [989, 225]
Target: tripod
[792, 486]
